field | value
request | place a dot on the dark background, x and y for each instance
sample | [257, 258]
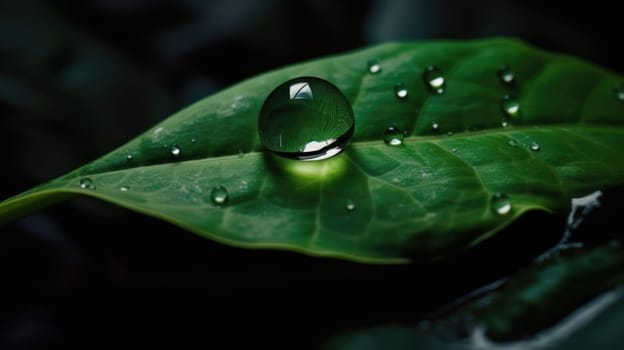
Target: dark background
[79, 78]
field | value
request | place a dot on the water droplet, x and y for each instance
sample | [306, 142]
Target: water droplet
[504, 123]
[243, 185]
[434, 79]
[505, 74]
[435, 126]
[124, 188]
[219, 195]
[175, 150]
[129, 157]
[306, 119]
[350, 206]
[450, 133]
[87, 184]
[400, 91]
[500, 203]
[373, 66]
[193, 140]
[534, 146]
[513, 143]
[510, 106]
[618, 89]
[393, 136]
[454, 150]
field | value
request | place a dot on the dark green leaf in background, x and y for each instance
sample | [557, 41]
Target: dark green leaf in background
[427, 197]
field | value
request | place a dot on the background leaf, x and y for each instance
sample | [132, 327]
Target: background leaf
[427, 197]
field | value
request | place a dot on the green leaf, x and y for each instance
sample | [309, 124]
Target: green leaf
[425, 198]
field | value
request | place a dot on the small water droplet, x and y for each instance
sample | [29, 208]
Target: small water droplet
[87, 184]
[450, 133]
[618, 90]
[219, 195]
[129, 157]
[500, 203]
[534, 146]
[393, 136]
[454, 150]
[243, 185]
[400, 91]
[435, 126]
[373, 66]
[434, 79]
[306, 118]
[510, 106]
[504, 123]
[175, 150]
[350, 206]
[513, 143]
[124, 188]
[505, 74]
[193, 140]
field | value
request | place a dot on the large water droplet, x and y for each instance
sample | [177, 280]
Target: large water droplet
[219, 195]
[434, 79]
[534, 146]
[393, 136]
[175, 150]
[87, 184]
[500, 203]
[307, 119]
[124, 188]
[510, 106]
[350, 206]
[505, 74]
[400, 91]
[373, 66]
[618, 90]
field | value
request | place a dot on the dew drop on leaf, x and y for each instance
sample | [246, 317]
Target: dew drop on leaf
[454, 150]
[618, 90]
[534, 146]
[505, 74]
[400, 91]
[500, 203]
[87, 184]
[175, 150]
[510, 106]
[434, 79]
[124, 188]
[350, 206]
[306, 118]
[435, 126]
[512, 143]
[504, 123]
[129, 157]
[393, 136]
[373, 66]
[193, 140]
[219, 195]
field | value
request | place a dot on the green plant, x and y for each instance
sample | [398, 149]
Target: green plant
[493, 129]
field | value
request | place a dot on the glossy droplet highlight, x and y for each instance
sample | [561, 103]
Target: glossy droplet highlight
[306, 119]
[87, 184]
[393, 136]
[434, 79]
[534, 146]
[505, 74]
[373, 66]
[500, 203]
[504, 123]
[435, 126]
[129, 157]
[124, 188]
[400, 91]
[175, 150]
[219, 195]
[510, 106]
[350, 206]
[512, 143]
[193, 140]
[618, 90]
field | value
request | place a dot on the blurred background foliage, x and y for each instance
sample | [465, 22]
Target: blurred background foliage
[79, 78]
